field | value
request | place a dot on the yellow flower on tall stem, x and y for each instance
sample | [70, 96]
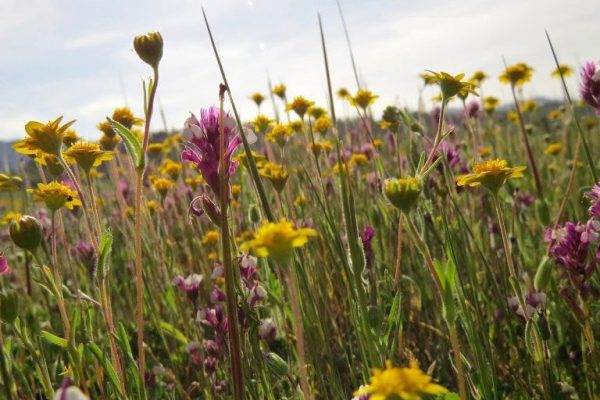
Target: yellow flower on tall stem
[10, 183]
[279, 90]
[300, 105]
[517, 74]
[47, 137]
[451, 85]
[275, 173]
[563, 69]
[491, 174]
[363, 98]
[262, 123]
[87, 155]
[280, 134]
[56, 196]
[409, 383]
[257, 98]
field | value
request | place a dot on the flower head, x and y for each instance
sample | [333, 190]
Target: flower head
[279, 90]
[280, 134]
[322, 125]
[517, 74]
[56, 195]
[316, 112]
[562, 69]
[403, 192]
[124, 116]
[452, 85]
[553, 149]
[590, 85]
[343, 93]
[278, 240]
[26, 232]
[319, 147]
[363, 98]
[171, 168]
[594, 197]
[300, 105]
[257, 98]
[275, 173]
[162, 185]
[490, 104]
[87, 155]
[202, 138]
[409, 383]
[4, 267]
[149, 48]
[479, 76]
[190, 285]
[47, 137]
[262, 123]
[492, 174]
[10, 183]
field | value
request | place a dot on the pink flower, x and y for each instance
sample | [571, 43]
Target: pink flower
[590, 85]
[4, 268]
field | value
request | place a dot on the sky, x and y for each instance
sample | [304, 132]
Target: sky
[75, 57]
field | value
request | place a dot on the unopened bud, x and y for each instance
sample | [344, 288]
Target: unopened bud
[26, 233]
[149, 48]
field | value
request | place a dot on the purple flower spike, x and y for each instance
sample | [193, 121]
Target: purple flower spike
[191, 285]
[366, 237]
[4, 268]
[590, 85]
[594, 196]
[203, 141]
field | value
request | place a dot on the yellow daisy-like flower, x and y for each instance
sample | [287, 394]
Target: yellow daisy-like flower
[358, 159]
[451, 85]
[492, 174]
[377, 143]
[106, 128]
[235, 191]
[400, 383]
[319, 147]
[316, 112]
[109, 143]
[10, 183]
[343, 94]
[428, 79]
[517, 74]
[279, 90]
[529, 105]
[210, 238]
[556, 114]
[257, 98]
[87, 155]
[161, 185]
[280, 134]
[553, 149]
[259, 159]
[9, 217]
[171, 168]
[403, 192]
[564, 68]
[153, 206]
[278, 240]
[478, 76]
[51, 163]
[300, 105]
[70, 137]
[484, 151]
[275, 173]
[194, 182]
[46, 137]
[56, 196]
[297, 126]
[156, 149]
[490, 104]
[262, 123]
[322, 125]
[300, 200]
[125, 117]
[363, 98]
[512, 116]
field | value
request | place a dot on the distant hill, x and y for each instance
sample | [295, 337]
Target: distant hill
[9, 159]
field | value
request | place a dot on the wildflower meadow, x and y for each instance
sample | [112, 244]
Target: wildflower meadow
[307, 251]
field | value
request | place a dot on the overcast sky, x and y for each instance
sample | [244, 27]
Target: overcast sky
[75, 57]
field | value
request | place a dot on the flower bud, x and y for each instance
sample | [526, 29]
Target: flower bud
[149, 48]
[254, 214]
[212, 210]
[267, 330]
[276, 364]
[26, 233]
[403, 192]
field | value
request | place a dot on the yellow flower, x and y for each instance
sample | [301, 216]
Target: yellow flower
[212, 256]
[490, 104]
[280, 134]
[171, 168]
[403, 192]
[109, 142]
[9, 217]
[70, 137]
[322, 125]
[297, 126]
[43, 137]
[553, 149]
[153, 206]
[492, 174]
[363, 98]
[10, 183]
[156, 149]
[300, 200]
[589, 121]
[244, 236]
[211, 238]
[377, 143]
[318, 147]
[161, 185]
[428, 79]
[87, 155]
[276, 173]
[478, 76]
[149, 48]
[279, 90]
[400, 383]
[56, 195]
[300, 105]
[259, 159]
[278, 240]
[564, 68]
[106, 128]
[340, 167]
[484, 151]
[358, 159]
[194, 182]
[452, 85]
[556, 114]
[316, 112]
[343, 93]
[529, 106]
[235, 191]
[512, 116]
[257, 98]
[517, 74]
[262, 123]
[125, 117]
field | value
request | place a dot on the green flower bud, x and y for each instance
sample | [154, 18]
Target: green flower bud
[403, 192]
[254, 214]
[276, 364]
[26, 233]
[149, 48]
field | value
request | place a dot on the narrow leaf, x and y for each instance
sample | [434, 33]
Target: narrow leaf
[132, 143]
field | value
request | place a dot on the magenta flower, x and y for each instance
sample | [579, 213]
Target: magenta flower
[267, 330]
[590, 85]
[190, 285]
[366, 236]
[594, 196]
[472, 109]
[203, 141]
[4, 268]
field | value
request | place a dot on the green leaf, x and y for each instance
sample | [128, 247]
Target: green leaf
[55, 340]
[9, 306]
[134, 147]
[174, 332]
[449, 396]
[105, 248]
[108, 368]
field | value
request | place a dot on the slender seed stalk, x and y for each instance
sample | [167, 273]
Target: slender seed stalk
[438, 138]
[58, 281]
